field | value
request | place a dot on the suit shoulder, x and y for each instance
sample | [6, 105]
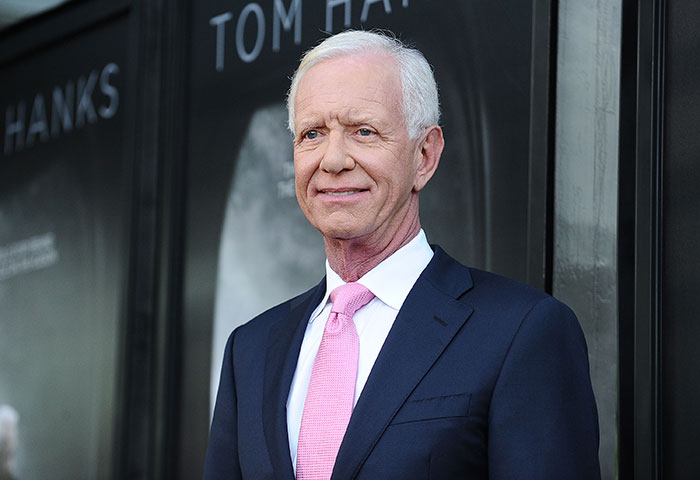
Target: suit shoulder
[489, 281]
[484, 290]
[501, 295]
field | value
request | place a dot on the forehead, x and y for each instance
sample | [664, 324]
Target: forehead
[355, 82]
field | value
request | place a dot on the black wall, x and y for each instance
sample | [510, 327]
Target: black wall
[659, 237]
[680, 329]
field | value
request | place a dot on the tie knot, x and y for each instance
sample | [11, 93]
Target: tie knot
[349, 298]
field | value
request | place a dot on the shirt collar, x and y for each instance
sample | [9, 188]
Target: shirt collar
[392, 279]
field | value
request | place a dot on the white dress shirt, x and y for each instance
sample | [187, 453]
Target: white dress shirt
[390, 282]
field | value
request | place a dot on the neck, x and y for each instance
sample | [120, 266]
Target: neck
[351, 259]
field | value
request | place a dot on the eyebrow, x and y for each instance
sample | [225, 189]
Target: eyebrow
[350, 117]
[305, 123]
[355, 117]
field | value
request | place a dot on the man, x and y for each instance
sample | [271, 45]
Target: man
[401, 363]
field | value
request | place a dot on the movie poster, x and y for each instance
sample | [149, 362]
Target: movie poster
[63, 235]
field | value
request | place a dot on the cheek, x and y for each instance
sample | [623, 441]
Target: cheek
[400, 181]
[302, 181]
[401, 168]
[301, 174]
[301, 192]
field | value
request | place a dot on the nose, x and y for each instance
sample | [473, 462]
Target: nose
[336, 157]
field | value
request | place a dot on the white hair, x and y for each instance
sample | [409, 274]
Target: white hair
[420, 104]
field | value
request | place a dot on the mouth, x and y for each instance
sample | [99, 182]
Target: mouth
[336, 193]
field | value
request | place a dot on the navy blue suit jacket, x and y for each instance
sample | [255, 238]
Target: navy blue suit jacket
[480, 377]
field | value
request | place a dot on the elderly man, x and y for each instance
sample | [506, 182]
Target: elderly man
[401, 363]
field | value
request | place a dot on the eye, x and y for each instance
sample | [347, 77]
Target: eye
[365, 132]
[310, 134]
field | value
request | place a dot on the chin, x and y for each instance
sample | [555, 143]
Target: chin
[337, 232]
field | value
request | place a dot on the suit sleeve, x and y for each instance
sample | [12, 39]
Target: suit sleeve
[543, 422]
[222, 453]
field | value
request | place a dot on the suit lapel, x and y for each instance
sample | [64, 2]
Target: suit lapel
[284, 343]
[425, 325]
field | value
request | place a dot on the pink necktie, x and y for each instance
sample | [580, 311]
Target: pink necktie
[331, 394]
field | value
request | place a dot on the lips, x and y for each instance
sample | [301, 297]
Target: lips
[341, 192]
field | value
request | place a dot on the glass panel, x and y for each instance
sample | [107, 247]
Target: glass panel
[63, 213]
[585, 224]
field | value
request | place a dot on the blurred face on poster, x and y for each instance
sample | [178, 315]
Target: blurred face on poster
[358, 172]
[8, 440]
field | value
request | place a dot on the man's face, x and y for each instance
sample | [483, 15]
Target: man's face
[354, 163]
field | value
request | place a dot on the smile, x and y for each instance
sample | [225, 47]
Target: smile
[340, 194]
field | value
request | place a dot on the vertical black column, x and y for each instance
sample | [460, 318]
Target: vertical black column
[641, 126]
[680, 272]
[151, 357]
[172, 136]
[137, 435]
[541, 156]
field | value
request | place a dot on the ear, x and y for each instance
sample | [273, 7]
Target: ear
[429, 152]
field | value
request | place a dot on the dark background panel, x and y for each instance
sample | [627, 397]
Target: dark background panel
[681, 239]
